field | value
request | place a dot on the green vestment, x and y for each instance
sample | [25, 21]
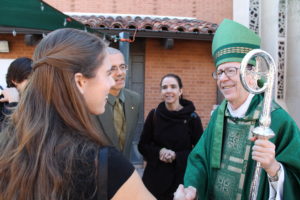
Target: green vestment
[220, 165]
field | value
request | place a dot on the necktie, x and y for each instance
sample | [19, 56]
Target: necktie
[119, 122]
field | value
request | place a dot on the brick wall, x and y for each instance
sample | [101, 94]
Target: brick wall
[192, 61]
[17, 47]
[209, 10]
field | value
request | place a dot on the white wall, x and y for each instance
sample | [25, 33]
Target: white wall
[269, 27]
[4, 63]
[293, 60]
[241, 12]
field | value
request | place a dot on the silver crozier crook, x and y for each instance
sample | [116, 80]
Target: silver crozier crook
[263, 131]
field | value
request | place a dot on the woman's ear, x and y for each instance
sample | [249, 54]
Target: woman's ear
[80, 82]
[181, 92]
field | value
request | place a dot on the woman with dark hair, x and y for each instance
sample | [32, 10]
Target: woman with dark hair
[169, 134]
[50, 148]
[16, 78]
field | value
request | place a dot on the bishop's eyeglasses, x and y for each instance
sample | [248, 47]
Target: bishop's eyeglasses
[229, 72]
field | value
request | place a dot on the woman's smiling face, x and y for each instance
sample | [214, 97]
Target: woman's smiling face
[170, 90]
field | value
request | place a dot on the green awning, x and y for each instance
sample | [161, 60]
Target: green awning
[35, 14]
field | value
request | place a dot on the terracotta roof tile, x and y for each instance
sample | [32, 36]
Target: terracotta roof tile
[148, 23]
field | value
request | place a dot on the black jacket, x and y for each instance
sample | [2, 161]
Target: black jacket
[175, 130]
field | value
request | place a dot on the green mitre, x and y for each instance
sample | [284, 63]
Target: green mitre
[232, 41]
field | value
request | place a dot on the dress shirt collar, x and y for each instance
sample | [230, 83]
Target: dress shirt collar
[112, 99]
[240, 111]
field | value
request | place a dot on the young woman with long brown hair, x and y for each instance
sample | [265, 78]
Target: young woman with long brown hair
[49, 148]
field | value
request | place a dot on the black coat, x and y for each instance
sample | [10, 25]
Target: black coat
[175, 130]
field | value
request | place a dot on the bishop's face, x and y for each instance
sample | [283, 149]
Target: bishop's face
[231, 86]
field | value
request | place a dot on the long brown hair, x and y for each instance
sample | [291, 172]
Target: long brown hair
[51, 130]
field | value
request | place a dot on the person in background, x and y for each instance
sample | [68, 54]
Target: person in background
[169, 134]
[50, 148]
[222, 164]
[18, 73]
[119, 121]
[16, 78]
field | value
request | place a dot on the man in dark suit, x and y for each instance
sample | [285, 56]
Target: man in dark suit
[119, 121]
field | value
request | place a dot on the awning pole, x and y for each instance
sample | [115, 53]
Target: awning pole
[124, 48]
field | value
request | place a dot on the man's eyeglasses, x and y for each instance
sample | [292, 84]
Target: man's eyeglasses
[229, 72]
[122, 67]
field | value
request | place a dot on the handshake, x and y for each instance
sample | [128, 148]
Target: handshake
[188, 193]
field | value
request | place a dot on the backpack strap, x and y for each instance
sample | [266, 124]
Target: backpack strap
[102, 174]
[154, 116]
